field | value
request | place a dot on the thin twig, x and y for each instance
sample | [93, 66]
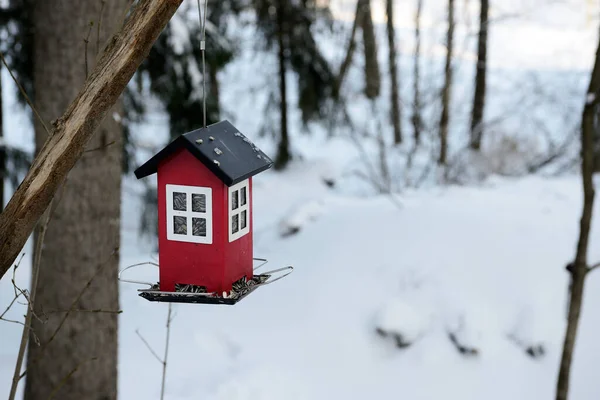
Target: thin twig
[594, 267]
[13, 321]
[86, 41]
[24, 93]
[100, 147]
[64, 380]
[148, 346]
[34, 282]
[96, 310]
[77, 299]
[164, 374]
[163, 361]
[99, 25]
[10, 305]
[18, 263]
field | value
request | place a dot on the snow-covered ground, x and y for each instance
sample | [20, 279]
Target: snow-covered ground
[477, 267]
[485, 264]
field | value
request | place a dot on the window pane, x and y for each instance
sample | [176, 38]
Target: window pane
[243, 196]
[199, 203]
[234, 200]
[179, 201]
[235, 223]
[180, 225]
[199, 226]
[243, 219]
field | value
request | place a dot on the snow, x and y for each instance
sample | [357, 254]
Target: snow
[485, 263]
[403, 320]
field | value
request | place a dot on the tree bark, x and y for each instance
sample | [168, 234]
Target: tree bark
[395, 114]
[86, 219]
[579, 268]
[283, 151]
[372, 77]
[446, 90]
[2, 146]
[480, 77]
[122, 56]
[416, 119]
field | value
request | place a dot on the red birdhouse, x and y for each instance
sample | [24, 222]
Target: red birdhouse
[205, 215]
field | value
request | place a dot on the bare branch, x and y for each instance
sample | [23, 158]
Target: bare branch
[164, 374]
[30, 313]
[64, 380]
[100, 147]
[99, 26]
[593, 267]
[149, 347]
[96, 310]
[86, 41]
[12, 321]
[10, 305]
[24, 93]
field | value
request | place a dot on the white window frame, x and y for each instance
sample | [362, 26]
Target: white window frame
[238, 211]
[189, 214]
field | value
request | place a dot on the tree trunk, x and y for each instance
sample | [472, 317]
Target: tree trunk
[395, 114]
[372, 77]
[579, 268]
[480, 75]
[351, 48]
[2, 146]
[84, 229]
[283, 151]
[417, 120]
[214, 90]
[446, 90]
[597, 151]
[122, 56]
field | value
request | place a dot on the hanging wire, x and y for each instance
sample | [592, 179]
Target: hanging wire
[202, 21]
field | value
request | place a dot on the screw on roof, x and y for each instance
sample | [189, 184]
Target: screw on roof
[199, 141]
[218, 151]
[217, 162]
[211, 138]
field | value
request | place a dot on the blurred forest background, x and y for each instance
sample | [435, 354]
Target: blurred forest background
[396, 94]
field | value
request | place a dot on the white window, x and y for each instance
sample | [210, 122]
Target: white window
[239, 210]
[189, 214]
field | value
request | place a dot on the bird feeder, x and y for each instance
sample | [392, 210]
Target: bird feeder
[205, 217]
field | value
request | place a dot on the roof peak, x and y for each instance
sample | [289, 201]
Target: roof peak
[221, 147]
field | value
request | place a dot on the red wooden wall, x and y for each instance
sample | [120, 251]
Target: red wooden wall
[215, 265]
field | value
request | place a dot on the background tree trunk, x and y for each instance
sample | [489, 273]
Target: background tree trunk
[350, 49]
[283, 151]
[579, 268]
[372, 77]
[2, 146]
[480, 75]
[446, 90]
[214, 90]
[395, 114]
[84, 230]
[416, 117]
[597, 151]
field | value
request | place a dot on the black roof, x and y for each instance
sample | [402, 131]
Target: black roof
[221, 148]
